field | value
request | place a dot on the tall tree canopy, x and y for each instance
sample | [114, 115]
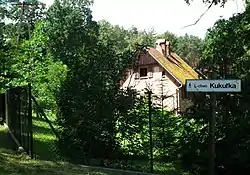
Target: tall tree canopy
[226, 51]
[190, 48]
[123, 39]
[75, 63]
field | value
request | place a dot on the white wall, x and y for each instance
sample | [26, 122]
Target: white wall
[159, 85]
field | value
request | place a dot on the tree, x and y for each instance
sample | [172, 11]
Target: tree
[146, 38]
[3, 60]
[70, 29]
[86, 99]
[5, 49]
[23, 19]
[35, 64]
[189, 48]
[226, 51]
[122, 39]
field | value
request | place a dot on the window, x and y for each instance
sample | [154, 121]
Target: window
[143, 72]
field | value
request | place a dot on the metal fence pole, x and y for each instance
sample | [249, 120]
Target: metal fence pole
[6, 107]
[150, 131]
[30, 122]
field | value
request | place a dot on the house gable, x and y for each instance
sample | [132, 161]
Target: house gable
[165, 73]
[145, 59]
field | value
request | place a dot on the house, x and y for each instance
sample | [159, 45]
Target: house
[165, 73]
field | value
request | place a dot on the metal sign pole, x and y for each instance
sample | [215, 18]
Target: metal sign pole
[150, 131]
[213, 86]
[212, 127]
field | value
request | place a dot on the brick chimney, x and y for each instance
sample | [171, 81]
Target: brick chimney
[163, 46]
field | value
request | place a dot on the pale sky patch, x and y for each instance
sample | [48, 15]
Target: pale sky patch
[162, 15]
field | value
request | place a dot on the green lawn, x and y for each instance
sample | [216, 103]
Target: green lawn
[12, 163]
[45, 149]
[16, 164]
[43, 139]
[47, 162]
[4, 140]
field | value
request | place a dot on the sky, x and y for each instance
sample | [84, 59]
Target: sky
[162, 15]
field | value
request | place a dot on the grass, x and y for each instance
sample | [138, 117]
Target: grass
[47, 160]
[16, 164]
[5, 141]
[43, 139]
[45, 149]
[12, 163]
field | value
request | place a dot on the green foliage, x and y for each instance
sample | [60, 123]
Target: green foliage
[33, 63]
[226, 51]
[87, 108]
[190, 48]
[75, 65]
[87, 98]
[22, 21]
[170, 132]
[70, 30]
[122, 39]
[187, 47]
[132, 125]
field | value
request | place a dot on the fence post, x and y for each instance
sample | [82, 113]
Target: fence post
[30, 122]
[150, 130]
[6, 108]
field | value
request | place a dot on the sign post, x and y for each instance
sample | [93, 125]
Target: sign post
[213, 86]
[212, 127]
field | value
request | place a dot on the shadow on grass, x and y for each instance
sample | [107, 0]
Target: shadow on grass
[44, 140]
[43, 130]
[45, 148]
[5, 139]
[11, 163]
[41, 119]
[142, 166]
